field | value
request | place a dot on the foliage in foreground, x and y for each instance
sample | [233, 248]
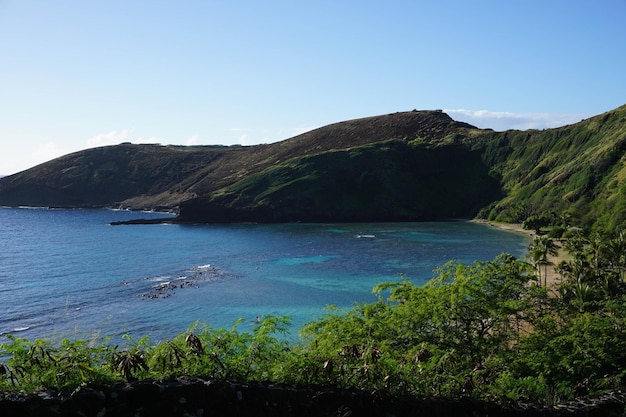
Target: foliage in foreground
[487, 330]
[202, 351]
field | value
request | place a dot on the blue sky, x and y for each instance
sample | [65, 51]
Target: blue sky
[78, 74]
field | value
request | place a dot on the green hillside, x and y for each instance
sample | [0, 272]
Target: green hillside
[110, 176]
[407, 166]
[161, 177]
[576, 171]
[392, 180]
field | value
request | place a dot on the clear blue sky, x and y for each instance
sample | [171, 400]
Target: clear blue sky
[77, 74]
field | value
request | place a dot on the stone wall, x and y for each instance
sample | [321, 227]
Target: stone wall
[203, 398]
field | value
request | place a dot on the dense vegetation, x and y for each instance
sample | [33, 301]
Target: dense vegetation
[489, 330]
[575, 171]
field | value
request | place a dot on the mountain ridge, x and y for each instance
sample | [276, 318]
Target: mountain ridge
[404, 166]
[122, 175]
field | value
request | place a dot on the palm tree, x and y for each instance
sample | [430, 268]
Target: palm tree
[539, 250]
[615, 252]
[596, 249]
[576, 270]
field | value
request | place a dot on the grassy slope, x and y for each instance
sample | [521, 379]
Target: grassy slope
[576, 170]
[109, 175]
[389, 180]
[149, 176]
[400, 166]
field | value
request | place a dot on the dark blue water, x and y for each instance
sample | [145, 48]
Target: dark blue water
[67, 273]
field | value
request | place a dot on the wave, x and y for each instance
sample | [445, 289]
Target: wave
[159, 278]
[20, 329]
[33, 208]
[16, 330]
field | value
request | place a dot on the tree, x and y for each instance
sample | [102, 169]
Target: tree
[536, 223]
[539, 250]
[444, 338]
[615, 250]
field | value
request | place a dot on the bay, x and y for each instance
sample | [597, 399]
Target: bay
[68, 273]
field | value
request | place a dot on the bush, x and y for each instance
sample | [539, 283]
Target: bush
[557, 232]
[484, 330]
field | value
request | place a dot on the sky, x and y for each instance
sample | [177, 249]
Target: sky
[77, 74]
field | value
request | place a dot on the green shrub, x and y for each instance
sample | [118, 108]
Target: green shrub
[464, 333]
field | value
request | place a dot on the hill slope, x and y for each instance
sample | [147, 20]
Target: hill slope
[161, 177]
[404, 166]
[576, 171]
[393, 180]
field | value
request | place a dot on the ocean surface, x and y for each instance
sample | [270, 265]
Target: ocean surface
[68, 273]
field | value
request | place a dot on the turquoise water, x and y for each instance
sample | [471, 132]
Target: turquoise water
[67, 273]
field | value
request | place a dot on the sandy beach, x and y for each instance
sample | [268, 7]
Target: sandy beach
[553, 278]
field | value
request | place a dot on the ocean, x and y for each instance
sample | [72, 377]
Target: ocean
[69, 274]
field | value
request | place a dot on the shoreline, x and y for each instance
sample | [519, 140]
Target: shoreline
[553, 279]
[511, 227]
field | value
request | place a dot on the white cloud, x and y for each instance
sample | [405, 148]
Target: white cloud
[47, 151]
[244, 140]
[151, 140]
[193, 140]
[259, 136]
[507, 120]
[114, 137]
[14, 159]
